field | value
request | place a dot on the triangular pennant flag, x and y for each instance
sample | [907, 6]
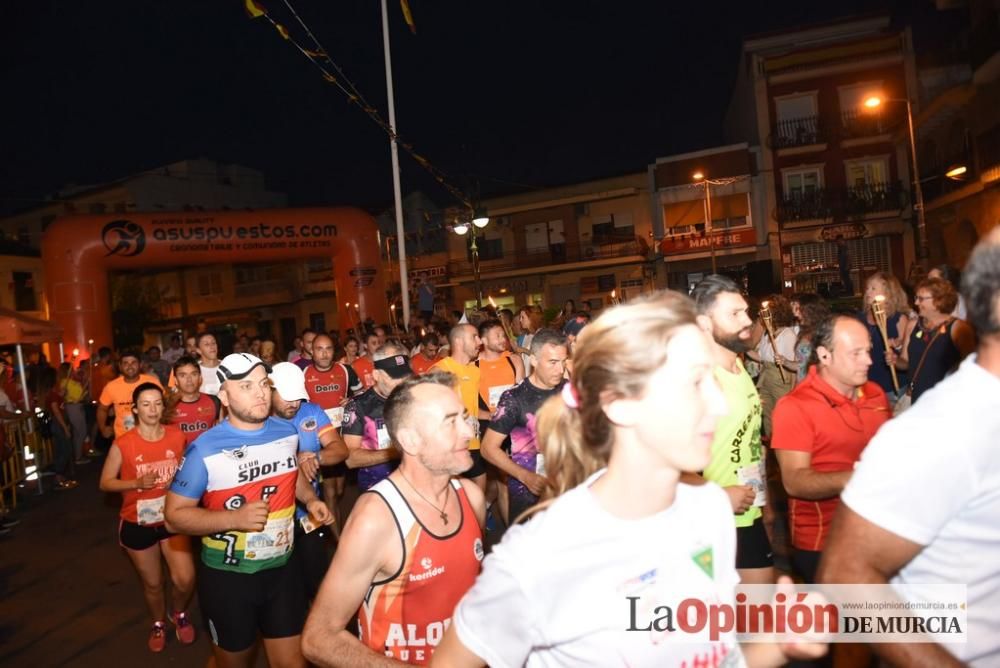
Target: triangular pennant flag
[254, 10]
[408, 15]
[282, 30]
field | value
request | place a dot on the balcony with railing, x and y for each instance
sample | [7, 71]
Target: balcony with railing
[556, 254]
[854, 202]
[795, 132]
[856, 123]
[870, 198]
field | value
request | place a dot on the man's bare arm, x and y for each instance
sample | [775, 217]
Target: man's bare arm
[360, 457]
[861, 552]
[360, 558]
[803, 482]
[183, 515]
[334, 450]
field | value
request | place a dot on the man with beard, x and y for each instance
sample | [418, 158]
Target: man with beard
[118, 394]
[738, 461]
[236, 487]
[412, 546]
[319, 445]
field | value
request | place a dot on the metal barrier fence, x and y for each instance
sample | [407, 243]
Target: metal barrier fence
[26, 452]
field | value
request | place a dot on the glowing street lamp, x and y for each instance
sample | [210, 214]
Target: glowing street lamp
[479, 220]
[957, 173]
[699, 177]
[874, 102]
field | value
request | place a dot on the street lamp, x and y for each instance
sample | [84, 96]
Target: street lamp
[874, 102]
[477, 221]
[699, 178]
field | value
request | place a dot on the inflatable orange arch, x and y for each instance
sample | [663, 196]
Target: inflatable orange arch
[78, 252]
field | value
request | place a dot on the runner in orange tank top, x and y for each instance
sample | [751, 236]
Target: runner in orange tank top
[140, 465]
[413, 544]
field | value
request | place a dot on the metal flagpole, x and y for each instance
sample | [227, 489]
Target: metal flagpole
[404, 284]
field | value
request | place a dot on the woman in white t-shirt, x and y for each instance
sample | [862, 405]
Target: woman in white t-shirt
[619, 534]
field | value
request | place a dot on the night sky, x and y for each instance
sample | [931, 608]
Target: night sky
[503, 96]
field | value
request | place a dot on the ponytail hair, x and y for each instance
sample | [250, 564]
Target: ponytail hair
[613, 359]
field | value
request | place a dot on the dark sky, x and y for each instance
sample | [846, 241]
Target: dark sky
[534, 92]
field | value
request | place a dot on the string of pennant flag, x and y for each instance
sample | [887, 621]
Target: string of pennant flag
[334, 75]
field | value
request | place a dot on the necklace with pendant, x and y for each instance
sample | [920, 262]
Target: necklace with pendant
[441, 512]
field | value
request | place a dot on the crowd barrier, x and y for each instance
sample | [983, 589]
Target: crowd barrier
[26, 452]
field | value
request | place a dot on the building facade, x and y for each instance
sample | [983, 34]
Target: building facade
[958, 127]
[580, 242]
[723, 185]
[835, 177]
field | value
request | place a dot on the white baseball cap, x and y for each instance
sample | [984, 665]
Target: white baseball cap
[289, 381]
[237, 366]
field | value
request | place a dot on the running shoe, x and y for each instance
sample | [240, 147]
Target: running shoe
[185, 629]
[66, 484]
[157, 637]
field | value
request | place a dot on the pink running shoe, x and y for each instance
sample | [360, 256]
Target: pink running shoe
[185, 629]
[158, 637]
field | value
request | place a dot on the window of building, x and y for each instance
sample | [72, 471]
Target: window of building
[247, 274]
[795, 117]
[489, 249]
[802, 183]
[852, 97]
[209, 284]
[317, 321]
[867, 172]
[795, 107]
[24, 291]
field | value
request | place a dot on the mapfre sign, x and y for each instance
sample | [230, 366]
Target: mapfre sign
[695, 243]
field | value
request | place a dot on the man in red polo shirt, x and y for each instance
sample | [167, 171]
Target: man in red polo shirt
[820, 429]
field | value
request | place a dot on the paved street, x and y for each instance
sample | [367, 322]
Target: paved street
[70, 596]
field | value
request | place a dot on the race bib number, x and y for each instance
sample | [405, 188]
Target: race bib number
[274, 541]
[540, 464]
[336, 415]
[150, 511]
[307, 524]
[473, 423]
[495, 393]
[755, 476]
[383, 438]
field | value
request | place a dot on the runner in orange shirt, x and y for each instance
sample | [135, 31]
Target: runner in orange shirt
[117, 394]
[364, 366]
[422, 362]
[140, 465]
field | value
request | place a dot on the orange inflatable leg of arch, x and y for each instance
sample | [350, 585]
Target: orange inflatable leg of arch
[78, 252]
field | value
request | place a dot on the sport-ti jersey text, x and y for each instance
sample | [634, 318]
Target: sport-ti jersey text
[226, 468]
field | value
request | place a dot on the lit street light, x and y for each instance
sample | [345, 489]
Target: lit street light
[874, 102]
[479, 220]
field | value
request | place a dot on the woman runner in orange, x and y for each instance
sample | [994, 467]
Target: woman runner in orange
[140, 465]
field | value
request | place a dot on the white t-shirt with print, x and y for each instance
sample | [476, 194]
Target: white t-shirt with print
[932, 476]
[556, 591]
